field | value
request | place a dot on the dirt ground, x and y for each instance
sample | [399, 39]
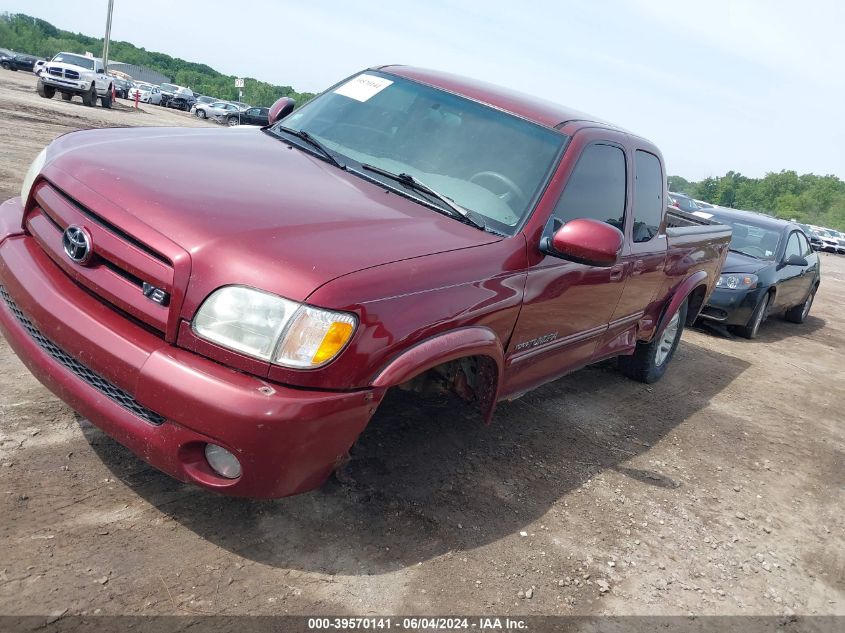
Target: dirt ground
[719, 490]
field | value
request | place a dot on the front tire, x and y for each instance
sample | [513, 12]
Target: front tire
[232, 121]
[201, 114]
[752, 328]
[649, 361]
[90, 98]
[48, 92]
[799, 313]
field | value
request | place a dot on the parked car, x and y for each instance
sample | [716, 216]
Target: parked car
[147, 93]
[168, 91]
[18, 61]
[70, 74]
[182, 99]
[683, 202]
[218, 111]
[770, 269]
[204, 99]
[240, 332]
[830, 243]
[39, 66]
[252, 116]
[122, 87]
[840, 240]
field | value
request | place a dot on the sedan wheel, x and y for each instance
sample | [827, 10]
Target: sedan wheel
[232, 121]
[799, 313]
[201, 114]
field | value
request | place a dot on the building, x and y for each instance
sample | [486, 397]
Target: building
[140, 73]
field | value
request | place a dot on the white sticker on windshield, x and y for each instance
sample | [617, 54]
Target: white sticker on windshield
[703, 214]
[363, 87]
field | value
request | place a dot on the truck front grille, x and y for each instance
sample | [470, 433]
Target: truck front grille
[71, 74]
[82, 372]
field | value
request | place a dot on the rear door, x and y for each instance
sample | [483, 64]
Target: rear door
[567, 305]
[644, 253]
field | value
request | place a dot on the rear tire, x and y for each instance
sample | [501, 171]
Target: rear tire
[106, 100]
[48, 92]
[90, 98]
[649, 361]
[799, 313]
[752, 328]
[66, 96]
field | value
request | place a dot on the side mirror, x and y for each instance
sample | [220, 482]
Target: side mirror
[796, 260]
[100, 71]
[585, 241]
[281, 109]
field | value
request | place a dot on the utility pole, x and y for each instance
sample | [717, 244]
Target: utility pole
[108, 37]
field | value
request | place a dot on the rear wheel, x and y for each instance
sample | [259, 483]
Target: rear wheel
[66, 96]
[649, 361]
[799, 313]
[48, 92]
[106, 99]
[90, 98]
[750, 329]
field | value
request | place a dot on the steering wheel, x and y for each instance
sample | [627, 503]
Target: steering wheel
[512, 189]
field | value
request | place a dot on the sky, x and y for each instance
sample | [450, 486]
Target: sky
[746, 85]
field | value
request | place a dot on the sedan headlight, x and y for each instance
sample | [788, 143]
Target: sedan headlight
[32, 173]
[737, 281]
[271, 328]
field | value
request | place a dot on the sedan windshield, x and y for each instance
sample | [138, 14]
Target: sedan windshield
[76, 60]
[485, 160]
[752, 240]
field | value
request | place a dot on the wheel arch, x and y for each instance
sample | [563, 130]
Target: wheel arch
[468, 361]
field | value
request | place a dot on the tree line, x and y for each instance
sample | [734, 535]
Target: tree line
[26, 34]
[806, 198]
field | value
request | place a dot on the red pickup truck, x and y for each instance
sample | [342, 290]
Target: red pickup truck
[232, 305]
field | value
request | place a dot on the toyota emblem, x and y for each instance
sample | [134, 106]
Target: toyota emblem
[77, 244]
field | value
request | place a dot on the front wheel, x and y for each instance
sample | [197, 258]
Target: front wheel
[201, 114]
[649, 361]
[799, 313]
[90, 98]
[48, 92]
[232, 121]
[752, 328]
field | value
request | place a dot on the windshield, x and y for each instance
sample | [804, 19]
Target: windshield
[750, 239]
[76, 60]
[485, 160]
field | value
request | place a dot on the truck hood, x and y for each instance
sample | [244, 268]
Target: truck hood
[250, 210]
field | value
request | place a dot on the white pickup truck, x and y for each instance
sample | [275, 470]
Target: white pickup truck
[71, 74]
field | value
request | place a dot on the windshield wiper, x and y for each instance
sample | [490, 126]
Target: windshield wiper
[736, 250]
[453, 209]
[305, 136]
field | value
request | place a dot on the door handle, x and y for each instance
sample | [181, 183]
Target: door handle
[616, 272]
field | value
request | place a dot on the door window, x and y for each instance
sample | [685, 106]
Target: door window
[596, 188]
[648, 196]
[793, 246]
[805, 245]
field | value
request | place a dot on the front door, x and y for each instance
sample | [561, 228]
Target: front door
[567, 305]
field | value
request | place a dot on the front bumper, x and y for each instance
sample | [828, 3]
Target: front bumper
[63, 84]
[116, 374]
[731, 307]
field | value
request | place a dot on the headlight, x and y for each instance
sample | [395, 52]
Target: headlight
[31, 173]
[734, 282]
[271, 328]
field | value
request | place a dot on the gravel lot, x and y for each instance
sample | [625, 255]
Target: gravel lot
[720, 490]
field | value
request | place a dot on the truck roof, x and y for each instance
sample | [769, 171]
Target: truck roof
[532, 108]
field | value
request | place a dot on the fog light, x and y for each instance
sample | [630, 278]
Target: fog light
[222, 461]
